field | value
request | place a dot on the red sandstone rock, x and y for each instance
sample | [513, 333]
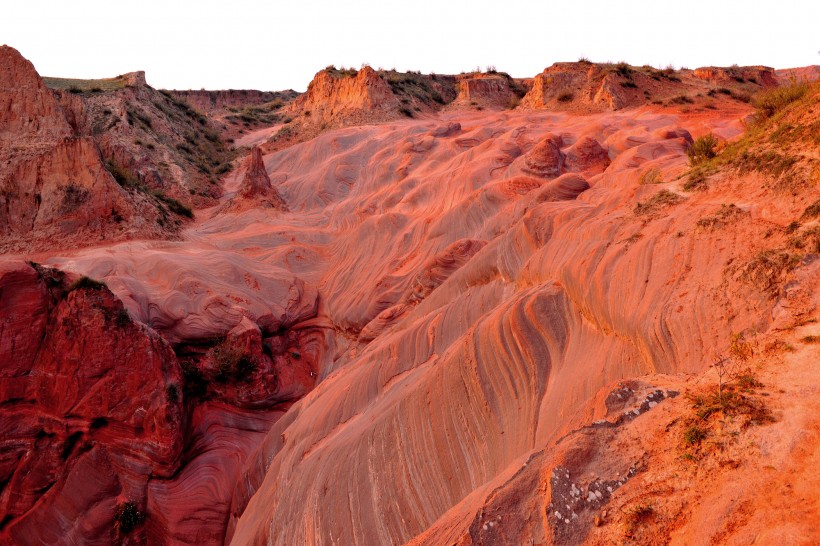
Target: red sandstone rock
[545, 159]
[344, 100]
[27, 107]
[587, 156]
[762, 75]
[485, 91]
[256, 188]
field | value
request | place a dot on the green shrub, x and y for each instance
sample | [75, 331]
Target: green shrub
[195, 383]
[127, 517]
[651, 176]
[173, 205]
[663, 198]
[122, 176]
[702, 149]
[623, 70]
[812, 211]
[86, 283]
[694, 435]
[231, 363]
[771, 102]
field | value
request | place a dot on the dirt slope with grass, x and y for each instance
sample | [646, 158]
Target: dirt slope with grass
[469, 327]
[94, 160]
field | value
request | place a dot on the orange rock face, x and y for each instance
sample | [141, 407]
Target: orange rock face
[346, 100]
[256, 188]
[485, 90]
[53, 185]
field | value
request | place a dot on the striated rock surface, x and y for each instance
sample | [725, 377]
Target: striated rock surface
[444, 395]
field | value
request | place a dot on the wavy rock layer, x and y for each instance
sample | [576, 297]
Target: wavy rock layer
[553, 289]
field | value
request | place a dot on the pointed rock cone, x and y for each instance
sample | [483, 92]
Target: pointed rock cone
[256, 184]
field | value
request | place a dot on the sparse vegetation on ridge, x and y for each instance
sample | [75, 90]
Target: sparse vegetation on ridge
[662, 199]
[127, 517]
[86, 283]
[231, 363]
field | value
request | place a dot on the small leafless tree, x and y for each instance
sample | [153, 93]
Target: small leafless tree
[725, 368]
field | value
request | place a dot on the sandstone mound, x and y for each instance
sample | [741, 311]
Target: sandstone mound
[492, 90]
[546, 158]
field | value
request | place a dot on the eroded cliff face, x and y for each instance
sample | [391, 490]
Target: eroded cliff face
[494, 90]
[83, 167]
[52, 185]
[346, 99]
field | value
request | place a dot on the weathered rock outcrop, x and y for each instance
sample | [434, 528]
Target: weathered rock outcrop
[81, 430]
[593, 87]
[96, 411]
[762, 75]
[496, 91]
[255, 189]
[344, 99]
[53, 185]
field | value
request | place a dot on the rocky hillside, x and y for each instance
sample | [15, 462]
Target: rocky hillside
[348, 97]
[148, 138]
[93, 160]
[238, 112]
[54, 185]
[584, 86]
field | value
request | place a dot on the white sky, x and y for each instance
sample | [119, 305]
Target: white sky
[271, 45]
